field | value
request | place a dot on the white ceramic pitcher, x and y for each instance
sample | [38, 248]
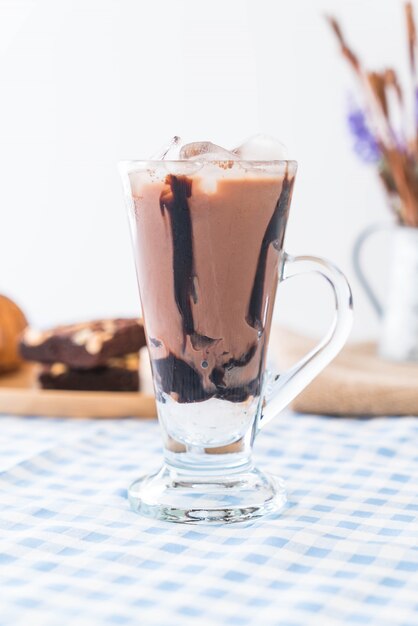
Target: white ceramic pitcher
[398, 339]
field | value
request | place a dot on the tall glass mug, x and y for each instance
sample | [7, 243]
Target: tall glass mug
[208, 240]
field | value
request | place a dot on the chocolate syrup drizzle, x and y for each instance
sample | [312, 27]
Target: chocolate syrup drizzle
[218, 373]
[175, 203]
[176, 376]
[173, 374]
[274, 232]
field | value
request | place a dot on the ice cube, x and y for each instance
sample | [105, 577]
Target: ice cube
[170, 151]
[182, 168]
[261, 148]
[206, 151]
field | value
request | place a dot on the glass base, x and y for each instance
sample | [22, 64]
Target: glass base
[194, 499]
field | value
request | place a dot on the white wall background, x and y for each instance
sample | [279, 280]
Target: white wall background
[85, 83]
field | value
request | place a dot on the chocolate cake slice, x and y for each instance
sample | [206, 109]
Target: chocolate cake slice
[119, 374]
[83, 346]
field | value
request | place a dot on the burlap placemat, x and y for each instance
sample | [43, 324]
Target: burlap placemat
[357, 382]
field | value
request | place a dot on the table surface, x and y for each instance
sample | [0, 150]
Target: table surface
[344, 552]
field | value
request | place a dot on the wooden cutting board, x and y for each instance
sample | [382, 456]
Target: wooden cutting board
[358, 382]
[19, 395]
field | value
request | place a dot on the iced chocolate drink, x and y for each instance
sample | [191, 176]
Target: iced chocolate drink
[208, 227]
[208, 240]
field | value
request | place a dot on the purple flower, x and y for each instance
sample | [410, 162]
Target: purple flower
[365, 144]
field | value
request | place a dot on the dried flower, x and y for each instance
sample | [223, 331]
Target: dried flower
[388, 144]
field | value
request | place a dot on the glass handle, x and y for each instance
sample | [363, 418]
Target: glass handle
[283, 388]
[358, 268]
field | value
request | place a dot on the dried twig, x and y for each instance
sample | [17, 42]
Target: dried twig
[412, 36]
[412, 49]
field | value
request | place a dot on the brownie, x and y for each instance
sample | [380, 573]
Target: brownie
[119, 374]
[83, 346]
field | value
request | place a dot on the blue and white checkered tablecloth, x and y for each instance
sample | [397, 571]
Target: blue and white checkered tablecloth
[344, 552]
